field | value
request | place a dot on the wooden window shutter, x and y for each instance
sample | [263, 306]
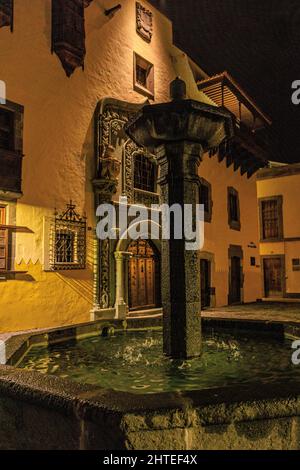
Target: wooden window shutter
[6, 13]
[68, 33]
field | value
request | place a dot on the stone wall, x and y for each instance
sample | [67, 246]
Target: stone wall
[43, 412]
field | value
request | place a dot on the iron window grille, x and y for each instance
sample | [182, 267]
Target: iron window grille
[144, 173]
[68, 240]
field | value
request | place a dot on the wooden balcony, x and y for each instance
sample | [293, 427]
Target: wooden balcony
[248, 150]
[10, 174]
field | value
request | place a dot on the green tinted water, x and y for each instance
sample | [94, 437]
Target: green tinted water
[134, 361]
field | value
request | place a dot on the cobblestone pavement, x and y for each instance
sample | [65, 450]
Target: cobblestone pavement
[272, 311]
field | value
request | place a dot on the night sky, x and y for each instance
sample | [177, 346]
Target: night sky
[258, 43]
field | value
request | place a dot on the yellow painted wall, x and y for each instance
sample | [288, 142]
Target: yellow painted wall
[288, 187]
[218, 235]
[59, 141]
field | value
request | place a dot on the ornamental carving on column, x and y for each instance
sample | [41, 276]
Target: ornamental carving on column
[6, 13]
[68, 33]
[144, 22]
[104, 274]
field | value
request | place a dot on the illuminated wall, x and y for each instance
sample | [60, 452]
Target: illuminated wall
[218, 235]
[289, 247]
[59, 157]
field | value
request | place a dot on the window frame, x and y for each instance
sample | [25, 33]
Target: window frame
[71, 222]
[149, 89]
[11, 158]
[279, 200]
[207, 213]
[3, 214]
[5, 246]
[233, 224]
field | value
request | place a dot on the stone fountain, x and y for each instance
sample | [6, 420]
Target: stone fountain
[179, 133]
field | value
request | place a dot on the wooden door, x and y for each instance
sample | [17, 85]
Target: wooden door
[142, 276]
[205, 270]
[235, 295]
[273, 277]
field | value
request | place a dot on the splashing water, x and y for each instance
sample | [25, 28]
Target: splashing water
[134, 361]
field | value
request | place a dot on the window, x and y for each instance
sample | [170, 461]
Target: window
[252, 261]
[205, 198]
[2, 215]
[3, 249]
[6, 129]
[144, 173]
[296, 264]
[67, 241]
[233, 209]
[271, 218]
[143, 76]
[11, 148]
[64, 247]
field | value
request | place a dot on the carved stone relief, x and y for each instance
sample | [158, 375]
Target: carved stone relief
[144, 22]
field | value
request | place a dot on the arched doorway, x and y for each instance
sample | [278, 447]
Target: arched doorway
[144, 275]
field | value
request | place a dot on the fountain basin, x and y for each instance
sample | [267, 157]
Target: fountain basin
[46, 412]
[133, 361]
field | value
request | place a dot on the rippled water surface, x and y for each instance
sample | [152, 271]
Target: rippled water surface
[134, 361]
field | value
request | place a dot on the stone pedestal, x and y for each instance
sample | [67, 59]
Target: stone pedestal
[181, 297]
[179, 133]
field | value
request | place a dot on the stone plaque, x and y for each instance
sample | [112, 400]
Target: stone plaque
[144, 22]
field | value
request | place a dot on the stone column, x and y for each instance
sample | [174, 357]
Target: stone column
[121, 279]
[181, 293]
[180, 132]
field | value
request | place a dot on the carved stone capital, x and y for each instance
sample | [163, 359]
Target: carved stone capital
[180, 121]
[105, 188]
